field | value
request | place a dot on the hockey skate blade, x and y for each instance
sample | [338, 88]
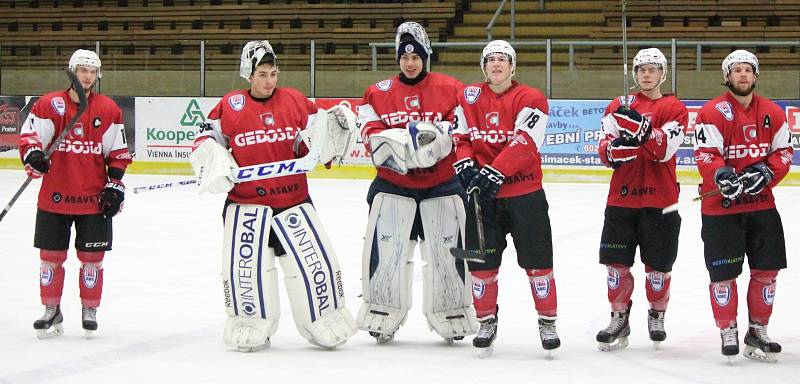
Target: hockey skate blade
[485, 352]
[656, 345]
[88, 334]
[756, 354]
[621, 343]
[468, 255]
[54, 331]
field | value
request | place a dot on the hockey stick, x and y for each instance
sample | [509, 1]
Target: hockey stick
[678, 206]
[625, 100]
[82, 102]
[478, 256]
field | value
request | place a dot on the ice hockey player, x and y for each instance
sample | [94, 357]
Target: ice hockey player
[272, 221]
[406, 123]
[639, 142]
[500, 130]
[81, 186]
[743, 149]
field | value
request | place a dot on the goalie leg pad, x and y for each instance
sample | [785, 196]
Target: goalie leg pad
[313, 278]
[249, 278]
[447, 299]
[387, 268]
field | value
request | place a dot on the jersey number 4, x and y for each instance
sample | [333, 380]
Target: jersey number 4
[699, 134]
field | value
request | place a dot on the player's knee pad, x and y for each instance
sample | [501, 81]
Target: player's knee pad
[387, 268]
[447, 302]
[249, 277]
[313, 278]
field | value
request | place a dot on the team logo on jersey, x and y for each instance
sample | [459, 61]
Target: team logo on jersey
[726, 109]
[59, 105]
[236, 102]
[267, 118]
[492, 120]
[519, 138]
[57, 197]
[478, 289]
[541, 287]
[45, 275]
[472, 94]
[77, 130]
[90, 276]
[96, 122]
[384, 85]
[656, 280]
[750, 132]
[631, 98]
[412, 102]
[722, 294]
[613, 278]
[768, 294]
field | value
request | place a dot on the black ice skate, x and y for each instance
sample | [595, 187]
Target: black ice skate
[758, 345]
[382, 338]
[655, 325]
[730, 343]
[49, 325]
[617, 331]
[486, 335]
[89, 316]
[547, 332]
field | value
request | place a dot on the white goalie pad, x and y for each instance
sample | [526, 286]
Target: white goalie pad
[249, 278]
[387, 268]
[313, 278]
[447, 298]
[214, 167]
[339, 122]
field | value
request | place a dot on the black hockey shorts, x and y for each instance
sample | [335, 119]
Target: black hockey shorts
[450, 187]
[655, 234]
[727, 238]
[93, 233]
[273, 241]
[526, 219]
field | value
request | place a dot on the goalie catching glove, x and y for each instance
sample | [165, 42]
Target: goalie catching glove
[419, 145]
[340, 125]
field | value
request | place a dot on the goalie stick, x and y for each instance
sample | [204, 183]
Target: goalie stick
[478, 256]
[82, 102]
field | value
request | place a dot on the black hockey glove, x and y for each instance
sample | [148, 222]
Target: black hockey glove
[466, 171]
[632, 124]
[487, 183]
[35, 163]
[755, 178]
[111, 198]
[728, 183]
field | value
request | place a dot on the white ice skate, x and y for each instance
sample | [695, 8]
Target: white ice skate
[49, 325]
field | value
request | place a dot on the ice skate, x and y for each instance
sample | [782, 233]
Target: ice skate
[617, 331]
[730, 343]
[547, 332]
[451, 340]
[485, 337]
[89, 316]
[758, 346]
[382, 338]
[49, 325]
[655, 325]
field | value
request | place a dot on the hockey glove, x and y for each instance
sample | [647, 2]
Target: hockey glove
[728, 183]
[755, 178]
[632, 124]
[487, 183]
[621, 151]
[111, 198]
[35, 163]
[466, 171]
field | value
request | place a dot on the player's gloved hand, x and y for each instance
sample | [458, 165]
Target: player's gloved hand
[111, 198]
[729, 184]
[466, 171]
[631, 123]
[486, 183]
[755, 178]
[35, 163]
[621, 151]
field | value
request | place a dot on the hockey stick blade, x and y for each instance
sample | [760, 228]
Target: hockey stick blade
[82, 103]
[468, 255]
[681, 205]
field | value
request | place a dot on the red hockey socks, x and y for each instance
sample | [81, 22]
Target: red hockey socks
[760, 294]
[543, 288]
[91, 278]
[51, 275]
[620, 287]
[657, 288]
[724, 302]
[484, 292]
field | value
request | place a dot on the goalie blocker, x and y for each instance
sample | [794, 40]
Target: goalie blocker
[312, 277]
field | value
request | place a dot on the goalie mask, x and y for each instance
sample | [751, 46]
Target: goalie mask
[412, 38]
[736, 57]
[85, 58]
[254, 54]
[650, 56]
[501, 47]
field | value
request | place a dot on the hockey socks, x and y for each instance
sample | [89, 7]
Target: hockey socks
[760, 294]
[724, 302]
[484, 292]
[620, 287]
[657, 288]
[90, 280]
[51, 276]
[543, 289]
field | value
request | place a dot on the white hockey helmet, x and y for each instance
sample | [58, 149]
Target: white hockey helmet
[85, 58]
[652, 56]
[502, 47]
[252, 54]
[417, 32]
[736, 57]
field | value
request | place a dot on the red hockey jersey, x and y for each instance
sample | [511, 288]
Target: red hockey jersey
[261, 132]
[505, 131]
[78, 167]
[649, 180]
[727, 134]
[392, 104]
